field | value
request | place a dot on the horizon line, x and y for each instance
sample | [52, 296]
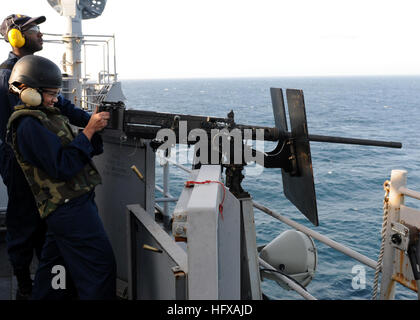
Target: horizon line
[271, 77]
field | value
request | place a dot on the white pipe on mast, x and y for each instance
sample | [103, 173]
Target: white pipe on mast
[73, 39]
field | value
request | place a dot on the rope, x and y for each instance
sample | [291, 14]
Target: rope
[190, 184]
[378, 269]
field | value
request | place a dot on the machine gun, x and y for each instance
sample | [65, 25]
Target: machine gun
[292, 153]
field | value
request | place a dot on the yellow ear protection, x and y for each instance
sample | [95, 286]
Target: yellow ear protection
[15, 36]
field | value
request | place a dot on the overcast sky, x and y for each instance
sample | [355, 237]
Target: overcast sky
[241, 38]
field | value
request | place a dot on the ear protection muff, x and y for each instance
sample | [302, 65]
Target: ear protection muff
[16, 38]
[31, 97]
[14, 35]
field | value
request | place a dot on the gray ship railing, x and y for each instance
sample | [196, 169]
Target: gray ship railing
[94, 40]
[167, 197]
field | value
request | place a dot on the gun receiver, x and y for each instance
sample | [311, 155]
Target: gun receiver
[292, 153]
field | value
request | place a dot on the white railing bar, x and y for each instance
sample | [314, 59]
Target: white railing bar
[53, 41]
[410, 193]
[52, 34]
[85, 35]
[88, 102]
[177, 165]
[94, 95]
[331, 243]
[161, 191]
[166, 199]
[158, 207]
[288, 281]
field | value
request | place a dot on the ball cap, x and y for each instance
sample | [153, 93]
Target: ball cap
[19, 20]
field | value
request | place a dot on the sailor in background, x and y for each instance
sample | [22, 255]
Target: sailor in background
[59, 169]
[25, 229]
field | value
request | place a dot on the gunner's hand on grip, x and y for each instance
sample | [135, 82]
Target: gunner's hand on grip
[97, 122]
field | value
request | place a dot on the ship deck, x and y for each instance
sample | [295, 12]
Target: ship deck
[6, 279]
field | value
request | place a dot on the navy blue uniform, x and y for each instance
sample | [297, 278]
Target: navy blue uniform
[76, 238]
[25, 229]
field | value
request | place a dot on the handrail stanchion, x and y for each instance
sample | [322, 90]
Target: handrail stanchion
[166, 187]
[398, 180]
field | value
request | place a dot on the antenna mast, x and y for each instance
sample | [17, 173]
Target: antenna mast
[75, 11]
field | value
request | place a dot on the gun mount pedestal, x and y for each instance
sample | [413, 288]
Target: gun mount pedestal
[121, 187]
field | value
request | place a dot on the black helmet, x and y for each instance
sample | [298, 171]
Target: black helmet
[36, 72]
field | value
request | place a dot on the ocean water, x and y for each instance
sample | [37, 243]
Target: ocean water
[348, 178]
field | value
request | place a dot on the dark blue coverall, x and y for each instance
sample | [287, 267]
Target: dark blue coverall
[75, 230]
[25, 229]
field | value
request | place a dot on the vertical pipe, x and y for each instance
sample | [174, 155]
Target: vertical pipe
[107, 61]
[85, 98]
[103, 68]
[166, 188]
[250, 273]
[115, 58]
[84, 60]
[73, 40]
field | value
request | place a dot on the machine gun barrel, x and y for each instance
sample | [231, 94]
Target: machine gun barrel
[365, 142]
[273, 134]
